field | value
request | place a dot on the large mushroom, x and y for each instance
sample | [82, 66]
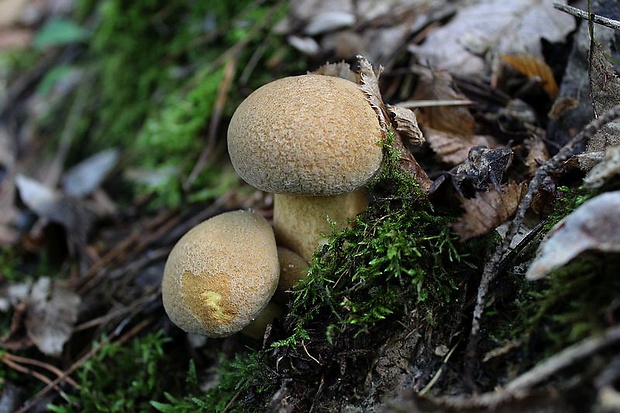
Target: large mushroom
[314, 141]
[221, 274]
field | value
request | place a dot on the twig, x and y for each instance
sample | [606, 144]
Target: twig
[54, 383]
[52, 369]
[524, 383]
[25, 370]
[563, 359]
[490, 270]
[222, 94]
[595, 18]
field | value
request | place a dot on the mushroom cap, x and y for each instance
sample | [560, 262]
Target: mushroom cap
[306, 135]
[221, 274]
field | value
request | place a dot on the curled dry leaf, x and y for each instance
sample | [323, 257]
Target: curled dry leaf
[594, 226]
[535, 69]
[406, 124]
[487, 210]
[51, 312]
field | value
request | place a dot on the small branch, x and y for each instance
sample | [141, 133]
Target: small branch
[573, 11]
[492, 266]
[522, 385]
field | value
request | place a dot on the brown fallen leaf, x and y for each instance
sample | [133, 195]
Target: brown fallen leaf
[51, 312]
[439, 86]
[537, 154]
[453, 149]
[594, 226]
[535, 69]
[487, 210]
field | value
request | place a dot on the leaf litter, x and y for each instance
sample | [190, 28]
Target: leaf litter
[487, 148]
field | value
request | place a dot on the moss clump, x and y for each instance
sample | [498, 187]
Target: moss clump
[399, 256]
[241, 379]
[571, 303]
[119, 378]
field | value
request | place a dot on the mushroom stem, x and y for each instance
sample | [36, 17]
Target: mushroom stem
[256, 329]
[301, 223]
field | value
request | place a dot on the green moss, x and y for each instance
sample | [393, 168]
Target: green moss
[568, 305]
[398, 256]
[119, 378]
[240, 380]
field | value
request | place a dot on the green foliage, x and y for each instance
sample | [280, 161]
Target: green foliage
[566, 201]
[158, 67]
[59, 32]
[119, 378]
[244, 374]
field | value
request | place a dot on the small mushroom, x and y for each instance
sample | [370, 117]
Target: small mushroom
[292, 269]
[314, 141]
[221, 274]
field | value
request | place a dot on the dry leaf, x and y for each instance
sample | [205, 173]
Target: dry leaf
[369, 82]
[605, 92]
[439, 86]
[51, 312]
[487, 210]
[69, 211]
[370, 86]
[605, 171]
[493, 27]
[453, 149]
[594, 226]
[341, 69]
[329, 21]
[537, 154]
[483, 167]
[406, 124]
[535, 69]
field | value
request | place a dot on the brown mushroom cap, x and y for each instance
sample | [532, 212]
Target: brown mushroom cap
[306, 135]
[221, 274]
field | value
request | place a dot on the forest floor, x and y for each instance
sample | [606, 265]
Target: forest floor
[481, 277]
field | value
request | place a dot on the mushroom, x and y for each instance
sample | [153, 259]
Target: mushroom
[314, 141]
[221, 274]
[292, 269]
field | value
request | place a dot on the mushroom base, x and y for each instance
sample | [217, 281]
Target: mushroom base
[302, 223]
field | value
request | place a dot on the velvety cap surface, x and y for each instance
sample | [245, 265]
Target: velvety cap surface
[221, 274]
[306, 135]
